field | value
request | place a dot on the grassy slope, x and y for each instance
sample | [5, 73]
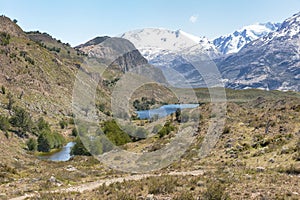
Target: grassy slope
[47, 87]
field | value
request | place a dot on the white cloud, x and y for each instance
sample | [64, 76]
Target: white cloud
[193, 18]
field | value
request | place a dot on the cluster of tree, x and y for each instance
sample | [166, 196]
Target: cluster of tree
[4, 38]
[144, 103]
[56, 49]
[48, 140]
[110, 82]
[104, 141]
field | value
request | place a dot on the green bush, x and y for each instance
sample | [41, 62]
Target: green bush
[42, 124]
[4, 123]
[44, 141]
[31, 144]
[4, 38]
[21, 119]
[3, 90]
[167, 128]
[156, 128]
[48, 140]
[63, 124]
[79, 148]
[115, 134]
[74, 132]
[11, 101]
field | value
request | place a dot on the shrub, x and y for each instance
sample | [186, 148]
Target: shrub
[44, 141]
[11, 101]
[79, 148]
[42, 124]
[4, 123]
[226, 130]
[162, 185]
[22, 120]
[4, 38]
[48, 140]
[156, 128]
[74, 132]
[178, 115]
[115, 134]
[215, 191]
[31, 144]
[3, 90]
[63, 124]
[168, 128]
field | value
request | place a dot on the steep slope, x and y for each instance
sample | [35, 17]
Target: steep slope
[114, 52]
[234, 42]
[167, 50]
[271, 62]
[41, 76]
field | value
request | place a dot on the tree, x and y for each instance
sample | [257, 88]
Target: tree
[42, 124]
[44, 142]
[79, 148]
[31, 144]
[74, 132]
[178, 115]
[22, 120]
[15, 21]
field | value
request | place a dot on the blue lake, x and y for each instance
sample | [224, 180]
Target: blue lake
[163, 111]
[62, 155]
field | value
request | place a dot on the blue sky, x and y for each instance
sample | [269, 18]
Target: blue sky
[77, 21]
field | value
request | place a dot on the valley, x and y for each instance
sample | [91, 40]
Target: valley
[87, 106]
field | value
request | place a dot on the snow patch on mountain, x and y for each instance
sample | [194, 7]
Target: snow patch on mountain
[234, 42]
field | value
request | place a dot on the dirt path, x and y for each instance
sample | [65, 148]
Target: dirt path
[93, 185]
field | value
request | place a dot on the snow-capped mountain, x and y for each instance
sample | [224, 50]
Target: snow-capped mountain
[155, 41]
[166, 50]
[271, 62]
[233, 42]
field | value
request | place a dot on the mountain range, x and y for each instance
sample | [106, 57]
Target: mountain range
[234, 42]
[263, 56]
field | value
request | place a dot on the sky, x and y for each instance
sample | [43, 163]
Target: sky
[77, 21]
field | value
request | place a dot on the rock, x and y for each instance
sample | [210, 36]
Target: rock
[271, 160]
[284, 150]
[200, 183]
[260, 169]
[151, 197]
[52, 179]
[228, 145]
[248, 177]
[70, 168]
